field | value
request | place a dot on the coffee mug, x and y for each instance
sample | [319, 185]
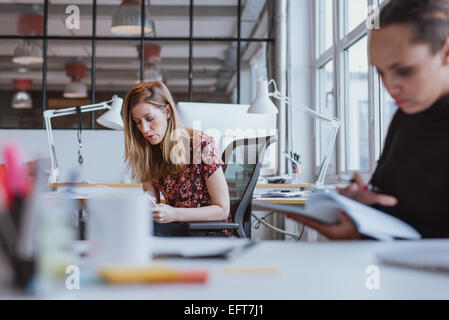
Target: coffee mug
[119, 229]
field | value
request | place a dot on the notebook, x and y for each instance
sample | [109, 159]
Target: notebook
[427, 255]
[325, 207]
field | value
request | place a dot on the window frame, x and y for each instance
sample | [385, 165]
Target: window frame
[142, 38]
[341, 44]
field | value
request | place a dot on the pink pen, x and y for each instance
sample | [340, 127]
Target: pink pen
[15, 182]
[15, 174]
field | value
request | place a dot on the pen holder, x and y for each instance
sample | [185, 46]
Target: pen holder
[119, 229]
[23, 272]
[296, 174]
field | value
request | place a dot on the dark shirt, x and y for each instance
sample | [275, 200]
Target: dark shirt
[414, 168]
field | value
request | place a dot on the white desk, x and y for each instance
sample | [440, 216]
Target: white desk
[330, 270]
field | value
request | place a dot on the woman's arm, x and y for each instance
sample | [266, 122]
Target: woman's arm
[218, 210]
[346, 229]
[153, 190]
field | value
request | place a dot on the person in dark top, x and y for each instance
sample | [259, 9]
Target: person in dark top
[411, 182]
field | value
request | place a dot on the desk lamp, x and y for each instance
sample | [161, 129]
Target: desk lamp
[263, 104]
[111, 119]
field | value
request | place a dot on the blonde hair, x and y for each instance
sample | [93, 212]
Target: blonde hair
[148, 162]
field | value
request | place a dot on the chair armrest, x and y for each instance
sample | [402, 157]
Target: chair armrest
[212, 225]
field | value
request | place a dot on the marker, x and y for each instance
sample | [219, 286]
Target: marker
[153, 274]
[15, 181]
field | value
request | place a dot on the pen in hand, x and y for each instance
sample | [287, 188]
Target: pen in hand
[152, 200]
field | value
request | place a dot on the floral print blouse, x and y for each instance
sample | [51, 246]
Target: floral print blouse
[188, 189]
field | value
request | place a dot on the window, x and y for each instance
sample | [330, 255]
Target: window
[345, 80]
[325, 27]
[354, 12]
[199, 48]
[387, 110]
[326, 107]
[356, 107]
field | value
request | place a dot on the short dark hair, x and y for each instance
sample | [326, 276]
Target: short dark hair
[428, 18]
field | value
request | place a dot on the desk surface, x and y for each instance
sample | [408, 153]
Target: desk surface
[123, 185]
[295, 200]
[326, 270]
[130, 188]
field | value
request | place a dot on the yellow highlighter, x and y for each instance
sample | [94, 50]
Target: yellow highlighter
[151, 274]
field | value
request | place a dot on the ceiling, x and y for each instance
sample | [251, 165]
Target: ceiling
[117, 64]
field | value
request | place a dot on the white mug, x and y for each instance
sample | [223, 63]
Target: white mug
[119, 229]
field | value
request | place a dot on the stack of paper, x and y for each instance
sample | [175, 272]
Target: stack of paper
[191, 247]
[281, 194]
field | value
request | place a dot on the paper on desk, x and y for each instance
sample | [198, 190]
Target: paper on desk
[196, 247]
[280, 194]
[100, 190]
[325, 207]
[432, 255]
[185, 247]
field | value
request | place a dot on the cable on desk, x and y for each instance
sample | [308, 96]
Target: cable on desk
[256, 224]
[301, 233]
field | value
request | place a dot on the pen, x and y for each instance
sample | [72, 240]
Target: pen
[153, 274]
[366, 187]
[15, 181]
[291, 159]
[152, 200]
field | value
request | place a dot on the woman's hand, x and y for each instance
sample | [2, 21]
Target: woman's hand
[164, 213]
[357, 191]
[344, 230]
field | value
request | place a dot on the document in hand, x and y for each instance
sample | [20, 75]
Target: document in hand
[325, 207]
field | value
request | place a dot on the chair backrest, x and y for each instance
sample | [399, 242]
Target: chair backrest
[244, 159]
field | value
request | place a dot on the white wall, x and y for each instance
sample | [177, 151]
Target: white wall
[301, 43]
[102, 150]
[302, 86]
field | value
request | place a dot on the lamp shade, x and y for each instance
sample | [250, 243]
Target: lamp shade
[28, 52]
[75, 90]
[22, 98]
[262, 104]
[113, 118]
[127, 19]
[152, 73]
[152, 53]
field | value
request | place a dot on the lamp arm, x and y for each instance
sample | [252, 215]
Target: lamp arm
[333, 122]
[53, 113]
[327, 157]
[54, 171]
[310, 112]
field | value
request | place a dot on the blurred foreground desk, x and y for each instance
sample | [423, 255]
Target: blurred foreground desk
[330, 270]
